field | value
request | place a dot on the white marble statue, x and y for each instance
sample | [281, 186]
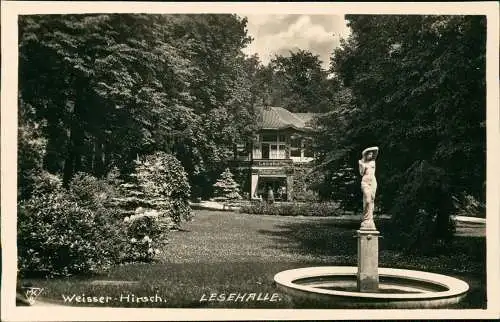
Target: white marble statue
[368, 186]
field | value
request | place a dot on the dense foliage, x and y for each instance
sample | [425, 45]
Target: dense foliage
[31, 151]
[100, 95]
[61, 234]
[414, 86]
[146, 233]
[158, 183]
[304, 185]
[164, 184]
[106, 88]
[297, 82]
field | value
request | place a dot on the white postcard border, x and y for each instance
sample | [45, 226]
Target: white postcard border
[10, 11]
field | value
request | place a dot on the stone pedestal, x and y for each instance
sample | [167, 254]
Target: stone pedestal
[368, 260]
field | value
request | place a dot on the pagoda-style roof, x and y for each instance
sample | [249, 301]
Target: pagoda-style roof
[278, 118]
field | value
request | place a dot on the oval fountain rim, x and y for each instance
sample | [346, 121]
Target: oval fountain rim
[454, 285]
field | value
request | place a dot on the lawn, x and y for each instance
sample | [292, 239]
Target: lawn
[228, 252]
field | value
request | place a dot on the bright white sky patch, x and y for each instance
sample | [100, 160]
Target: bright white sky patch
[278, 34]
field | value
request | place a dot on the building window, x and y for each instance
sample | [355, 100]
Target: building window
[282, 151]
[265, 150]
[274, 146]
[274, 151]
[277, 151]
[270, 138]
[295, 147]
[274, 138]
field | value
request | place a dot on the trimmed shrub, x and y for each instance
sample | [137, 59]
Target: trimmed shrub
[129, 199]
[59, 235]
[320, 209]
[46, 182]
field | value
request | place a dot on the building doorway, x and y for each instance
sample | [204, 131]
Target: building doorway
[276, 183]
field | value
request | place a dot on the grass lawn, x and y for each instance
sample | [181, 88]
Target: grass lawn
[227, 252]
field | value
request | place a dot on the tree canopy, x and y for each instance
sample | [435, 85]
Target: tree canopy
[295, 81]
[415, 87]
[106, 88]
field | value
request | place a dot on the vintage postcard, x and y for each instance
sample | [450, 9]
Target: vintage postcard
[249, 161]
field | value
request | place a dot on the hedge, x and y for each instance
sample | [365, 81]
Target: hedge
[315, 209]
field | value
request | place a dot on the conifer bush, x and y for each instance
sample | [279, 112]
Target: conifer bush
[159, 183]
[226, 188]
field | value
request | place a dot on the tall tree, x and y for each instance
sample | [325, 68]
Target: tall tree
[417, 90]
[108, 88]
[221, 90]
[103, 84]
[298, 82]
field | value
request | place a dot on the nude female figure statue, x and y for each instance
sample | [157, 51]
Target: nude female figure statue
[368, 186]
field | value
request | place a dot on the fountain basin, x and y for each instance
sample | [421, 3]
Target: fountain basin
[336, 287]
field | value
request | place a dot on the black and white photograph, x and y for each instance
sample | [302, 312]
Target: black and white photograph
[249, 161]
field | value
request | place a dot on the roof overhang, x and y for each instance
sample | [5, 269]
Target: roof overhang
[296, 128]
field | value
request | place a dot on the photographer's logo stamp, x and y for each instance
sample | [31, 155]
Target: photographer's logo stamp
[32, 293]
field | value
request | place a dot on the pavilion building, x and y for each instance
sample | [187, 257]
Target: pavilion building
[278, 153]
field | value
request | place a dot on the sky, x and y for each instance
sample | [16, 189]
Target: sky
[278, 34]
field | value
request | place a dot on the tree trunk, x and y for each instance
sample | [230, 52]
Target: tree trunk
[98, 158]
[70, 159]
[73, 162]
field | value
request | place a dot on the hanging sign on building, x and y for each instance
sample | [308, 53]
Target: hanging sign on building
[273, 172]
